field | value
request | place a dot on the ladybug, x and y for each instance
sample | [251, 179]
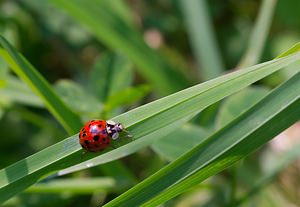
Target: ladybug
[96, 135]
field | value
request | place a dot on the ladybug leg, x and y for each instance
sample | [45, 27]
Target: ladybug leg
[115, 145]
[83, 154]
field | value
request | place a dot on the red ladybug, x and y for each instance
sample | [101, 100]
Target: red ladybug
[96, 135]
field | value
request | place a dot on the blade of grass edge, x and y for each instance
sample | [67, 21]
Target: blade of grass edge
[281, 108]
[259, 34]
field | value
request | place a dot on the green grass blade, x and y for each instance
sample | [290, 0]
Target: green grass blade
[248, 132]
[259, 34]
[102, 20]
[146, 123]
[29, 75]
[110, 68]
[161, 114]
[238, 103]
[78, 98]
[171, 147]
[203, 40]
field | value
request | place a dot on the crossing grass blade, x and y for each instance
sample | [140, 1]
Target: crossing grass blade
[146, 123]
[202, 38]
[259, 34]
[110, 68]
[276, 112]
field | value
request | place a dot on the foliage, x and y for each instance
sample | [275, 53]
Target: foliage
[159, 68]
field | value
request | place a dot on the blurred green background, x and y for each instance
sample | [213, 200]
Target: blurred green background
[187, 41]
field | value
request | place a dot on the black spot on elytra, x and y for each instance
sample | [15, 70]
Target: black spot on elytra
[82, 129]
[90, 125]
[86, 142]
[104, 139]
[99, 125]
[84, 134]
[96, 137]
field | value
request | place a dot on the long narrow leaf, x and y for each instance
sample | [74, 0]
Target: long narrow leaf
[259, 124]
[259, 34]
[110, 68]
[202, 38]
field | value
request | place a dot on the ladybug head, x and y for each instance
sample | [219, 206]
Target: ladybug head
[113, 129]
